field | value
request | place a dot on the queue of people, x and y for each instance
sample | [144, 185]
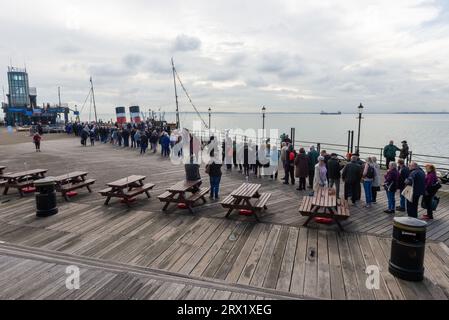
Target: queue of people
[324, 170]
[319, 168]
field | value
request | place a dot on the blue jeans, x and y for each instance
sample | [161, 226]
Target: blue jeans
[391, 200]
[214, 186]
[368, 185]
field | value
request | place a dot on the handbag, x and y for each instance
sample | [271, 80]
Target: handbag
[408, 193]
[388, 186]
[208, 169]
[434, 204]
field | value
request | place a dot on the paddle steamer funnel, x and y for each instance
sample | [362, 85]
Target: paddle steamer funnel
[135, 114]
[121, 115]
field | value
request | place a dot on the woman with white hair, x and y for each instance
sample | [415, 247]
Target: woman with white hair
[320, 178]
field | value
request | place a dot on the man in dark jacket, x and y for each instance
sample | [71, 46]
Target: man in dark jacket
[215, 178]
[290, 165]
[417, 179]
[313, 161]
[352, 176]
[404, 173]
[334, 168]
[390, 153]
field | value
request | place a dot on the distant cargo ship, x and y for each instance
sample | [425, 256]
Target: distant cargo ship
[323, 113]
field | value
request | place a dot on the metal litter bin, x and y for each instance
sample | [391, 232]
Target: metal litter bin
[408, 248]
[45, 197]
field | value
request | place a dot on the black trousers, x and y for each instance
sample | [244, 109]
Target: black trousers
[412, 207]
[353, 191]
[290, 172]
[311, 177]
[302, 183]
[374, 191]
[390, 160]
[428, 199]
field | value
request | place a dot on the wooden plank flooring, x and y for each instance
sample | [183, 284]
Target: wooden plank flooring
[210, 257]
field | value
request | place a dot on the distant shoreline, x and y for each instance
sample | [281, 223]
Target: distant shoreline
[310, 113]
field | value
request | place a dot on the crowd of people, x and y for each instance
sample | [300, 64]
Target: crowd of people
[312, 169]
[140, 136]
[327, 170]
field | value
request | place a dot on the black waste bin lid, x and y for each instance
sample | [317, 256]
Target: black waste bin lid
[49, 181]
[410, 223]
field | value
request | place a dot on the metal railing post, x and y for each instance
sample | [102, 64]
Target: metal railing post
[381, 157]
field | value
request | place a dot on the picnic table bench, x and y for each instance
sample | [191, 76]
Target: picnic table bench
[73, 181]
[324, 204]
[2, 182]
[179, 194]
[21, 180]
[127, 189]
[241, 198]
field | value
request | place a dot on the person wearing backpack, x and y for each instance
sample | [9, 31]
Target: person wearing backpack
[290, 165]
[369, 173]
[432, 187]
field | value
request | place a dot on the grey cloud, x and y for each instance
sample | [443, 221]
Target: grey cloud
[222, 75]
[108, 70]
[186, 43]
[133, 60]
[158, 66]
[282, 64]
[69, 49]
[256, 82]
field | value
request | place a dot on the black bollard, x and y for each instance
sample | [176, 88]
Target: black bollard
[45, 197]
[408, 248]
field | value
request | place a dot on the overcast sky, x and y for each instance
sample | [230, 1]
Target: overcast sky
[233, 55]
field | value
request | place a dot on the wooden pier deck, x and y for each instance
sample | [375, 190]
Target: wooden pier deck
[143, 253]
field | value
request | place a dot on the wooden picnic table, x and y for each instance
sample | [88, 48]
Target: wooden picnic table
[2, 182]
[72, 181]
[23, 179]
[178, 194]
[324, 204]
[240, 199]
[127, 189]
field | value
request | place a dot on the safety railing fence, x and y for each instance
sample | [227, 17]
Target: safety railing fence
[441, 162]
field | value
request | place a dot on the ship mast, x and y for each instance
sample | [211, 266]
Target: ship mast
[178, 125]
[93, 99]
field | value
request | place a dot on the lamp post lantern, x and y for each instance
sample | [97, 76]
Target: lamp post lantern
[360, 108]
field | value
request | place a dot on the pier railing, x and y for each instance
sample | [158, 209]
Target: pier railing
[441, 162]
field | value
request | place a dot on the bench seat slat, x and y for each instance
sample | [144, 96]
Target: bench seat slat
[196, 196]
[139, 190]
[262, 202]
[82, 184]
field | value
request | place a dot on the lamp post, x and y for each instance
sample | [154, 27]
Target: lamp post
[264, 109]
[210, 117]
[360, 108]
